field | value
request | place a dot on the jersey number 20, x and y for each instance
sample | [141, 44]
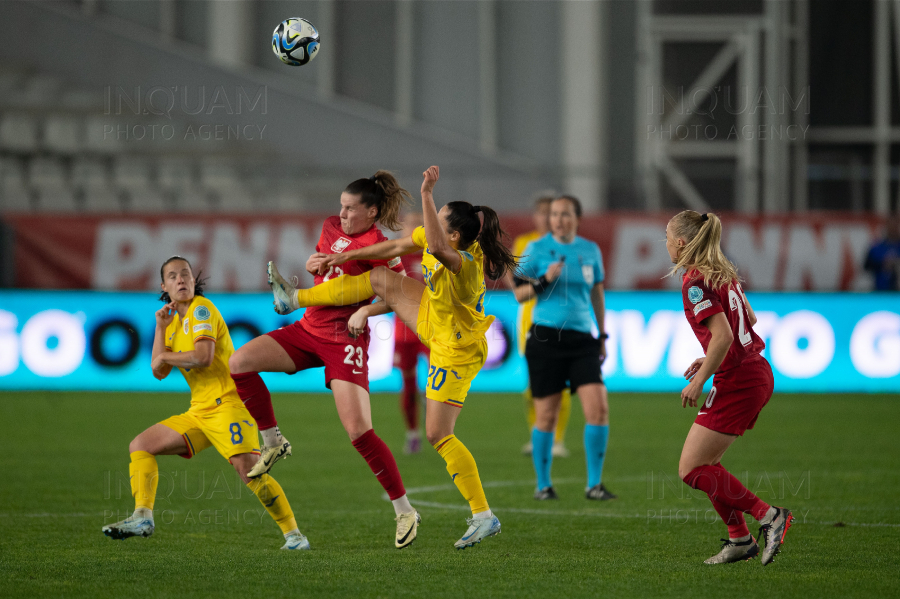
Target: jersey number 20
[737, 305]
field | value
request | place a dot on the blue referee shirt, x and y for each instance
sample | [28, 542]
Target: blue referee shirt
[566, 303]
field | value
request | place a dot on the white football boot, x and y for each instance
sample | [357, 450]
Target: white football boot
[479, 529]
[296, 541]
[285, 293]
[132, 526]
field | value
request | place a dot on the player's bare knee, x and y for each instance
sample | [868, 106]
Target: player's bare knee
[236, 363]
[378, 278]
[243, 463]
[137, 444]
[434, 436]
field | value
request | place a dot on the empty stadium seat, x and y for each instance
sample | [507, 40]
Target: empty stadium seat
[49, 179]
[62, 134]
[18, 132]
[14, 194]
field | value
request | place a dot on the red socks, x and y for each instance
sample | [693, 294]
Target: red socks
[381, 461]
[408, 402]
[728, 492]
[255, 395]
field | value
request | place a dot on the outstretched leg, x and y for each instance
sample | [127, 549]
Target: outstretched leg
[403, 294]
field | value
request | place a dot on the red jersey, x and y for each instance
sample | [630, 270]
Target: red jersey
[413, 265]
[700, 302]
[330, 322]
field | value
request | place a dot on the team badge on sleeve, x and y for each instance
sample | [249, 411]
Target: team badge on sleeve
[394, 262]
[695, 294]
[201, 313]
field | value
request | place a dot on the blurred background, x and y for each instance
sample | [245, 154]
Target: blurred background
[134, 130]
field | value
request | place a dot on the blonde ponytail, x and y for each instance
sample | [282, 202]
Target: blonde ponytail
[703, 253]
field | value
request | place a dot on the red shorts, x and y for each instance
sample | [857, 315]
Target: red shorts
[406, 353]
[346, 360]
[737, 397]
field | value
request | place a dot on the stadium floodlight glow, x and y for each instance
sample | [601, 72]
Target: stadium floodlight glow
[875, 345]
[787, 355]
[68, 353]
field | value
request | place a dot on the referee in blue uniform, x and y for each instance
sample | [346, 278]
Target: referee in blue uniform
[565, 273]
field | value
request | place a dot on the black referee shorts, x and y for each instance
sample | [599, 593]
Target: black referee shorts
[561, 358]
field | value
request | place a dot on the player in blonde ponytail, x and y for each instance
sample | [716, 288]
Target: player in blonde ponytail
[699, 236]
[722, 319]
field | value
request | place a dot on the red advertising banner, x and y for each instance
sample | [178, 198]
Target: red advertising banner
[822, 252]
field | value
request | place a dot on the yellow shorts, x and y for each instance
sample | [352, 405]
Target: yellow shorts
[228, 427]
[452, 370]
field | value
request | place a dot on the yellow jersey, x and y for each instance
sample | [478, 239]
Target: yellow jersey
[526, 309]
[211, 386]
[453, 315]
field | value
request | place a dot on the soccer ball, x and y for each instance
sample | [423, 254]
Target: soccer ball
[295, 41]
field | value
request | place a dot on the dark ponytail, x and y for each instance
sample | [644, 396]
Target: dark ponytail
[463, 217]
[199, 282]
[382, 190]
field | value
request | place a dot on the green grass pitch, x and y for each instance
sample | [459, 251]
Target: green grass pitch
[832, 459]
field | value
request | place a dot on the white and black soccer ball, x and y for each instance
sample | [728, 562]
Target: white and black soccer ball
[295, 41]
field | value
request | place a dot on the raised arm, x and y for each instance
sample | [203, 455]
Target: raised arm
[163, 317]
[384, 250]
[438, 245]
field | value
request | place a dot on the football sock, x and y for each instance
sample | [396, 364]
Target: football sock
[565, 410]
[463, 471]
[272, 437]
[402, 506]
[733, 519]
[381, 461]
[143, 513]
[255, 395]
[770, 515]
[542, 456]
[485, 514]
[272, 496]
[408, 403]
[720, 485]
[339, 291]
[144, 479]
[596, 437]
[295, 531]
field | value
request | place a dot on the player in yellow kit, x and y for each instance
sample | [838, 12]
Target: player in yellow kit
[541, 217]
[447, 312]
[191, 335]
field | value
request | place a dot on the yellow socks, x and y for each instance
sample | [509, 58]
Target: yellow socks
[565, 411]
[144, 479]
[272, 496]
[462, 468]
[339, 291]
